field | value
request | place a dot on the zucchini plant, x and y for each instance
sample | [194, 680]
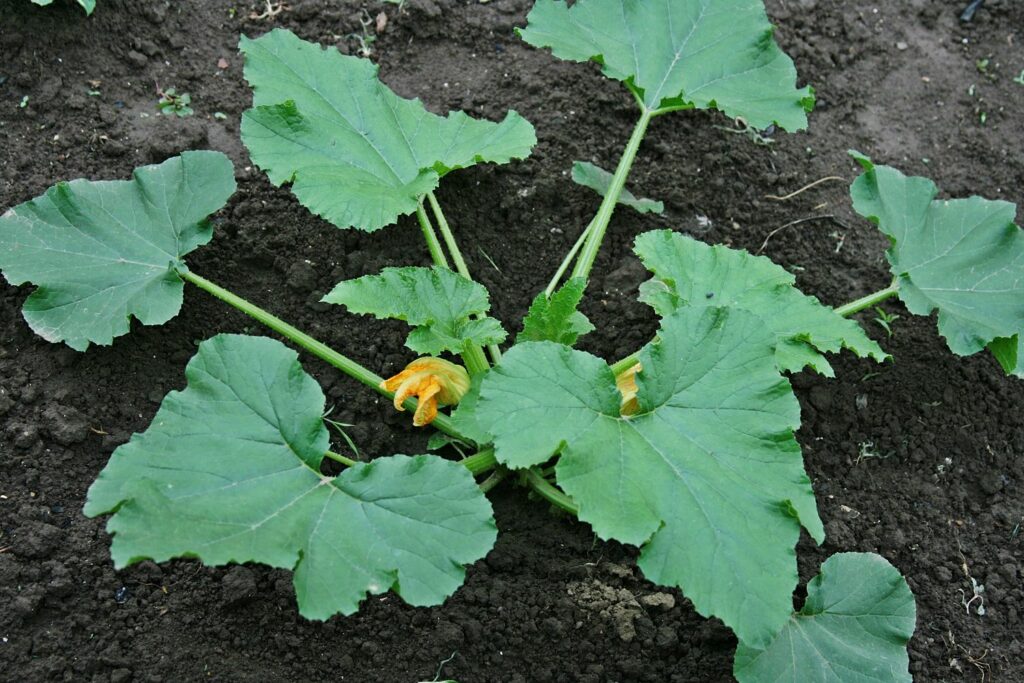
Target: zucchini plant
[685, 449]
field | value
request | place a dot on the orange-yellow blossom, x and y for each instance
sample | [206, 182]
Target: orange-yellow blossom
[433, 381]
[626, 383]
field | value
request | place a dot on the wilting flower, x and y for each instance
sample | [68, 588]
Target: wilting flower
[433, 381]
[626, 383]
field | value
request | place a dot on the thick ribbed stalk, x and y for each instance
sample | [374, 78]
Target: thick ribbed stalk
[870, 300]
[460, 263]
[604, 213]
[567, 261]
[473, 357]
[338, 457]
[436, 252]
[481, 462]
[549, 493]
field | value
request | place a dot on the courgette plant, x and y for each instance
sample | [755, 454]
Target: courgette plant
[685, 449]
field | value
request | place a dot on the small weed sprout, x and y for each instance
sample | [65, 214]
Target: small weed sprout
[366, 38]
[885, 320]
[983, 68]
[978, 590]
[868, 451]
[340, 427]
[173, 104]
[758, 137]
[271, 11]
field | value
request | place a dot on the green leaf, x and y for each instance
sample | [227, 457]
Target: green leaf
[556, 319]
[356, 153]
[464, 416]
[229, 472]
[1010, 354]
[600, 181]
[962, 257]
[854, 628]
[707, 476]
[682, 54]
[102, 252]
[693, 274]
[87, 5]
[438, 302]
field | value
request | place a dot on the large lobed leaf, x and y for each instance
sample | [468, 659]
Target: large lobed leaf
[229, 471]
[693, 274]
[707, 476]
[438, 302]
[102, 252]
[962, 257]
[680, 54]
[854, 628]
[356, 153]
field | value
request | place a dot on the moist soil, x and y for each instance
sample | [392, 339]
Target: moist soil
[919, 459]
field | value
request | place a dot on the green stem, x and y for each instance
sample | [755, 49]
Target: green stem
[481, 462]
[337, 457]
[473, 357]
[475, 360]
[449, 238]
[496, 478]
[549, 492]
[625, 364]
[436, 253]
[567, 261]
[317, 348]
[460, 263]
[869, 300]
[604, 213]
[477, 464]
[668, 110]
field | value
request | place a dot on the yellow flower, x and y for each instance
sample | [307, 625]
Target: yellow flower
[626, 383]
[433, 381]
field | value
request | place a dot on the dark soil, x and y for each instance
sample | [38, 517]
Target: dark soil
[919, 460]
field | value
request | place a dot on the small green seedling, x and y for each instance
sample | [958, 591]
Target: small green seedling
[685, 449]
[366, 37]
[756, 136]
[1019, 80]
[341, 428]
[24, 102]
[171, 103]
[885, 320]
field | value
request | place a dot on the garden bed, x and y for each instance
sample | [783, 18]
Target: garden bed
[918, 460]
